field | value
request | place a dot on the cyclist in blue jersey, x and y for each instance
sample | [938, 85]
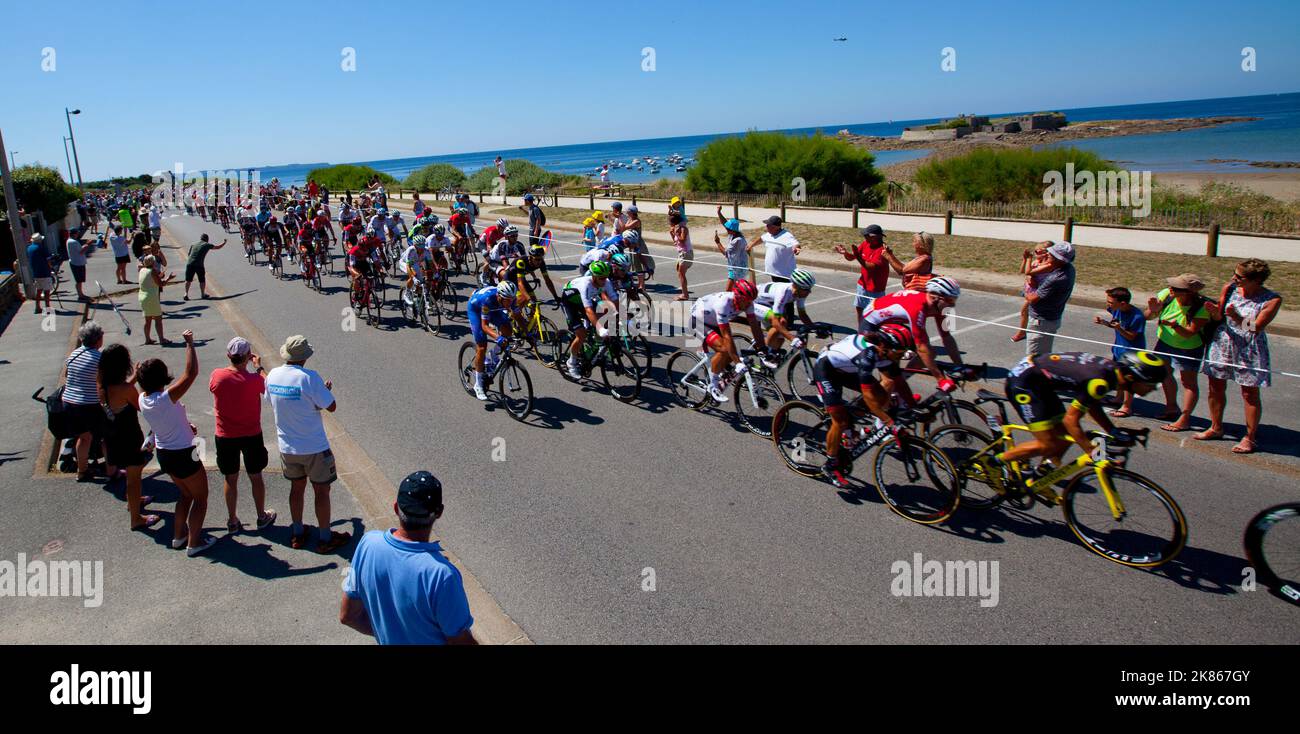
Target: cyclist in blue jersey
[489, 316]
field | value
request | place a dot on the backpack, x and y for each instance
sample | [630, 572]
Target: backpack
[1211, 327]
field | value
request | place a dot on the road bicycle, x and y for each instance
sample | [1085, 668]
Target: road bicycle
[1272, 543]
[912, 475]
[310, 272]
[545, 340]
[276, 260]
[1116, 513]
[799, 363]
[366, 297]
[755, 395]
[504, 377]
[617, 371]
[419, 308]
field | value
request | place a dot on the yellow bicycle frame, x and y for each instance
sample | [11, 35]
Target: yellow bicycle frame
[1043, 486]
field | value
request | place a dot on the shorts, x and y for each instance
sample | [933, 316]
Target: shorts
[685, 260]
[497, 319]
[1035, 400]
[44, 284]
[575, 316]
[252, 448]
[779, 279]
[78, 272]
[831, 382]
[708, 334]
[85, 418]
[1184, 360]
[866, 298]
[199, 271]
[317, 468]
[180, 463]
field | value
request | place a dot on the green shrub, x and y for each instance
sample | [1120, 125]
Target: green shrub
[435, 177]
[766, 163]
[990, 174]
[344, 177]
[42, 189]
[522, 176]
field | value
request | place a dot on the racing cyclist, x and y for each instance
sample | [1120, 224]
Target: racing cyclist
[580, 298]
[711, 318]
[776, 305]
[913, 308]
[489, 311]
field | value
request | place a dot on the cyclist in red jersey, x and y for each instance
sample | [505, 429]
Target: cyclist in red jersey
[913, 308]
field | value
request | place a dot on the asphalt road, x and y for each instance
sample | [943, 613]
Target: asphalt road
[595, 496]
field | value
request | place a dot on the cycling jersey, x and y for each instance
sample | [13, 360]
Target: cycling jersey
[437, 243]
[415, 261]
[378, 224]
[1033, 384]
[718, 308]
[485, 304]
[263, 217]
[321, 222]
[505, 250]
[907, 307]
[845, 365]
[363, 262]
[513, 272]
[459, 221]
[492, 235]
[584, 291]
[304, 236]
[775, 298]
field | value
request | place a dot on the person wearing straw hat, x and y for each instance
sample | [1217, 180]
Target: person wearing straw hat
[1180, 314]
[297, 396]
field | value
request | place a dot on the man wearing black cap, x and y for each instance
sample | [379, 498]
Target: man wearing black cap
[782, 247]
[401, 589]
[870, 255]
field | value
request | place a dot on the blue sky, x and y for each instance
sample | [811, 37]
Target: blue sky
[236, 84]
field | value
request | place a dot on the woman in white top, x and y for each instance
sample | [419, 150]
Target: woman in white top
[160, 405]
[681, 235]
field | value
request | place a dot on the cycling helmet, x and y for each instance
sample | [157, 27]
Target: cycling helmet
[418, 240]
[803, 279]
[631, 236]
[896, 337]
[621, 260]
[600, 269]
[439, 230]
[943, 286]
[502, 223]
[509, 230]
[433, 218]
[537, 251]
[744, 290]
[507, 291]
[381, 213]
[519, 264]
[301, 209]
[1144, 367]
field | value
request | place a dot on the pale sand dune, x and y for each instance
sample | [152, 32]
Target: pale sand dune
[1284, 185]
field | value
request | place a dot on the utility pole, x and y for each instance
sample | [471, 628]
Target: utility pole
[67, 157]
[73, 138]
[15, 227]
[12, 163]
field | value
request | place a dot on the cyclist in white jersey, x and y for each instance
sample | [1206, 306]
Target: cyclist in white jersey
[776, 305]
[711, 320]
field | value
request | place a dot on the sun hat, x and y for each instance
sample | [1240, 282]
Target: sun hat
[1186, 282]
[296, 349]
[1061, 250]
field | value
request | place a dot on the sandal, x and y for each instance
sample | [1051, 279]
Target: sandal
[1208, 435]
[149, 522]
[1171, 428]
[1120, 412]
[1245, 446]
[234, 526]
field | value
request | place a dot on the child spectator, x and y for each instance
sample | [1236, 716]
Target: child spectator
[1130, 326]
[1033, 265]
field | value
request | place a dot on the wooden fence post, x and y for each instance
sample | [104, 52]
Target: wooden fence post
[1069, 229]
[783, 211]
[947, 222]
[735, 209]
[1212, 241]
[855, 216]
[591, 201]
[480, 197]
[633, 199]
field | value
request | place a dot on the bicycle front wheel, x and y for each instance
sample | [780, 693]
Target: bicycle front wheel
[619, 374]
[962, 444]
[1272, 543]
[916, 480]
[799, 432]
[1150, 531]
[756, 407]
[799, 376]
[638, 350]
[514, 389]
[465, 366]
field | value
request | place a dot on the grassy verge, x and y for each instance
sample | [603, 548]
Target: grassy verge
[1142, 272]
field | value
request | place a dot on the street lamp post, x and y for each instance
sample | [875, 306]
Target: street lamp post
[67, 158]
[12, 163]
[73, 138]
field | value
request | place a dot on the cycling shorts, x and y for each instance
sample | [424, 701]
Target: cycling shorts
[1035, 400]
[496, 317]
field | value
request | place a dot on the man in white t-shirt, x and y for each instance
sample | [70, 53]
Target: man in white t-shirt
[781, 250]
[297, 396]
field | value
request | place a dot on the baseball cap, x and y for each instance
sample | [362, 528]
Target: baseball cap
[633, 210]
[419, 496]
[1061, 250]
[1186, 282]
[238, 347]
[773, 220]
[871, 229]
[732, 225]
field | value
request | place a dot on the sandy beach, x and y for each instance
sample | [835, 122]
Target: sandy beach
[1284, 185]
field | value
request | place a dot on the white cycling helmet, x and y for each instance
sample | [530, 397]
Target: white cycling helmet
[631, 236]
[803, 279]
[509, 230]
[418, 240]
[943, 286]
[502, 223]
[507, 291]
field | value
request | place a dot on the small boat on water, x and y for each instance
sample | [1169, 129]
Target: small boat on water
[680, 168]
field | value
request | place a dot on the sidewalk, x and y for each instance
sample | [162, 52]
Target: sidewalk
[250, 588]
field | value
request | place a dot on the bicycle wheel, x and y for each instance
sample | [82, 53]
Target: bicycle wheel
[450, 298]
[407, 309]
[377, 300]
[799, 434]
[799, 376]
[916, 480]
[432, 314]
[465, 366]
[515, 390]
[690, 392]
[620, 376]
[961, 443]
[755, 408]
[545, 340]
[638, 350]
[1272, 542]
[1150, 531]
[315, 278]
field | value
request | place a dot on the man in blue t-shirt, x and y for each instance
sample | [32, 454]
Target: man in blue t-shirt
[401, 589]
[1130, 326]
[39, 260]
